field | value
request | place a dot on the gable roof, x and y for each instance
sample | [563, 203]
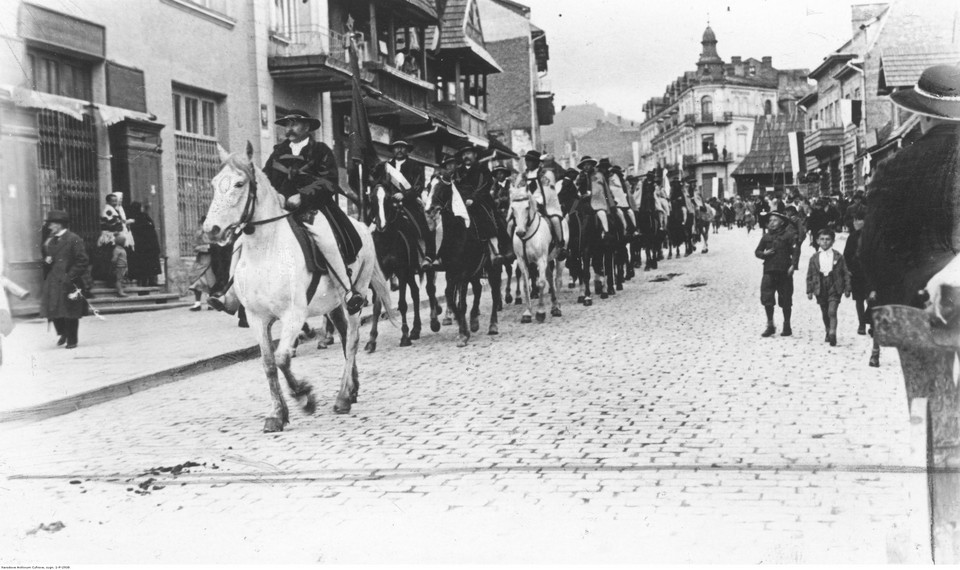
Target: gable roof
[770, 151]
[459, 40]
[901, 67]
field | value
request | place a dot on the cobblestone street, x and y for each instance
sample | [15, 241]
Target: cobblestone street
[655, 426]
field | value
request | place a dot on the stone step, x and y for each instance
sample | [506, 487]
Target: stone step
[107, 290]
[112, 309]
[112, 299]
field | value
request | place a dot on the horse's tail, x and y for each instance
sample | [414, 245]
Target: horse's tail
[382, 290]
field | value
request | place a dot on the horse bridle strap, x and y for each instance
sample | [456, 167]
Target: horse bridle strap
[246, 223]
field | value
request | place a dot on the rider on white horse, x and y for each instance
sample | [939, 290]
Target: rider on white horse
[541, 183]
[305, 172]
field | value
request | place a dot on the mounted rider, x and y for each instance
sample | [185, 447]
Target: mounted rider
[403, 180]
[441, 192]
[622, 195]
[593, 183]
[305, 172]
[541, 183]
[475, 185]
[568, 192]
[501, 186]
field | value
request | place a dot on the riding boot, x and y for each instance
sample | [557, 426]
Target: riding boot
[227, 303]
[495, 256]
[557, 232]
[323, 235]
[604, 226]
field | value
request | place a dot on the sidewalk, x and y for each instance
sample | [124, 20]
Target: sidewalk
[122, 355]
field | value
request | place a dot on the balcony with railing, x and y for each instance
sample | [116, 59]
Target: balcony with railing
[698, 119]
[707, 159]
[468, 118]
[823, 141]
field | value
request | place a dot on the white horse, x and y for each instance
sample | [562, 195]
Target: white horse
[531, 243]
[270, 279]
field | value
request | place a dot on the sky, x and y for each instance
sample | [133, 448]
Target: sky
[619, 53]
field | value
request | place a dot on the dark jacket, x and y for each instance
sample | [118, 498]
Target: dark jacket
[63, 276]
[831, 286]
[476, 184]
[786, 250]
[313, 173]
[911, 222]
[410, 170]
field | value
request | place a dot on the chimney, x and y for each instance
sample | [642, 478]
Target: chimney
[735, 59]
[599, 122]
[766, 61]
[863, 13]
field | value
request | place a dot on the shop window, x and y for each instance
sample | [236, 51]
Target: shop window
[59, 74]
[195, 115]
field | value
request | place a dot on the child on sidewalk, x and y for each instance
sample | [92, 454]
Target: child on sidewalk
[780, 252]
[119, 262]
[827, 280]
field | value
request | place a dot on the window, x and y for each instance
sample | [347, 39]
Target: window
[59, 74]
[706, 109]
[767, 107]
[196, 115]
[283, 16]
[707, 145]
[742, 143]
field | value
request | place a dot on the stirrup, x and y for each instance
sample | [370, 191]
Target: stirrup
[354, 303]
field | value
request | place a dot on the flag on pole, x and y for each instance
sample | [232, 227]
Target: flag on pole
[361, 152]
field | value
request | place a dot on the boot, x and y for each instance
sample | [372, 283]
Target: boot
[227, 303]
[787, 331]
[875, 358]
[769, 331]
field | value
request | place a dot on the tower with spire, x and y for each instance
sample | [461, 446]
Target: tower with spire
[710, 64]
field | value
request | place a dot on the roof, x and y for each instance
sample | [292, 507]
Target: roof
[902, 67]
[421, 10]
[830, 60]
[462, 38]
[770, 151]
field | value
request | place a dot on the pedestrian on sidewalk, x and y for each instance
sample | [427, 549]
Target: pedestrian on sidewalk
[65, 266]
[119, 263]
[205, 280]
[828, 280]
[858, 281]
[145, 260]
[780, 251]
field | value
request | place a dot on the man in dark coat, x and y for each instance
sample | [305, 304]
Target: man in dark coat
[64, 266]
[403, 180]
[305, 171]
[475, 185]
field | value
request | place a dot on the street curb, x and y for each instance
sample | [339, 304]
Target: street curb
[125, 388]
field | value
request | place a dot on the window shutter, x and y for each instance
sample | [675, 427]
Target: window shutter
[126, 88]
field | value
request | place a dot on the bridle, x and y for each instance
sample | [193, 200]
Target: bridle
[527, 234]
[246, 224]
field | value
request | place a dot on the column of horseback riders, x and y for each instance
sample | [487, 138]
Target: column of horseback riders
[474, 219]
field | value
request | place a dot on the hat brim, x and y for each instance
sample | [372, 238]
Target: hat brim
[583, 162]
[912, 101]
[313, 124]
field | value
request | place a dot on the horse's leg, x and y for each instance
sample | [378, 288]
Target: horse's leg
[279, 415]
[415, 298]
[554, 280]
[518, 274]
[494, 272]
[349, 328]
[450, 294]
[461, 314]
[527, 315]
[475, 310]
[508, 297]
[613, 271]
[301, 390]
[435, 308]
[402, 307]
[371, 345]
[585, 278]
[542, 287]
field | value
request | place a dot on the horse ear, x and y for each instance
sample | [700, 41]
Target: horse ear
[250, 151]
[224, 155]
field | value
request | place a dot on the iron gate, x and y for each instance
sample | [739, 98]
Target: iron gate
[67, 160]
[198, 161]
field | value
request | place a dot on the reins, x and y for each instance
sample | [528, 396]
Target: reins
[247, 224]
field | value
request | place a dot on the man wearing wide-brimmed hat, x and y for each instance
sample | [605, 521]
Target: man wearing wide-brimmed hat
[64, 272]
[475, 184]
[911, 225]
[305, 171]
[403, 180]
[593, 183]
[501, 185]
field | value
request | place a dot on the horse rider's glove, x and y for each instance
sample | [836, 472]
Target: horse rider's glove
[398, 197]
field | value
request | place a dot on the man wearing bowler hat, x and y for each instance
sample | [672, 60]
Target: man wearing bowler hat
[305, 172]
[64, 269]
[403, 180]
[910, 232]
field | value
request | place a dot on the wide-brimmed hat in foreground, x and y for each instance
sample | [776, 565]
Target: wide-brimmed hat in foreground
[936, 94]
[301, 116]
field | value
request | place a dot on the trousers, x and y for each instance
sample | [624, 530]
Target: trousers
[67, 328]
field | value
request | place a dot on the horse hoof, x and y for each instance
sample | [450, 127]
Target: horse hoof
[434, 325]
[474, 325]
[462, 341]
[415, 334]
[272, 425]
[571, 285]
[556, 312]
[603, 295]
[447, 321]
[405, 341]
[526, 319]
[370, 347]
[508, 298]
[310, 406]
[619, 286]
[518, 301]
[353, 398]
[342, 406]
[580, 299]
[588, 302]
[321, 345]
[494, 329]
[541, 317]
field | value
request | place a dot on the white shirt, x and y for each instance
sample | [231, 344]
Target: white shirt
[826, 261]
[296, 147]
[61, 232]
[398, 163]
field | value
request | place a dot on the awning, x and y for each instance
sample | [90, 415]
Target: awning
[500, 150]
[113, 115]
[385, 105]
[76, 108]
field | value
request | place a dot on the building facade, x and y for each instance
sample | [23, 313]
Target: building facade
[87, 107]
[702, 127]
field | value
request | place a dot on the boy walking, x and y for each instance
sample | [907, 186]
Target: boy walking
[828, 279]
[780, 252]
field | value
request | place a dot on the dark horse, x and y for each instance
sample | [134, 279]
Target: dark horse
[590, 249]
[465, 259]
[395, 239]
[650, 225]
[678, 224]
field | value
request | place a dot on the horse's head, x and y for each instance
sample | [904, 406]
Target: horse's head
[234, 191]
[523, 208]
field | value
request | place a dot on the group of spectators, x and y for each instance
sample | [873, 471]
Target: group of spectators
[128, 250]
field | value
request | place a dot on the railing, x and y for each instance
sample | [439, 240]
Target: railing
[707, 118]
[313, 40]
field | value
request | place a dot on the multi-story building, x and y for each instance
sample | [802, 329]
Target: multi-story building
[702, 127]
[88, 107]
[520, 96]
[851, 122]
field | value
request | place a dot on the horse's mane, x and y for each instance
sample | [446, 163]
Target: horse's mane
[242, 163]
